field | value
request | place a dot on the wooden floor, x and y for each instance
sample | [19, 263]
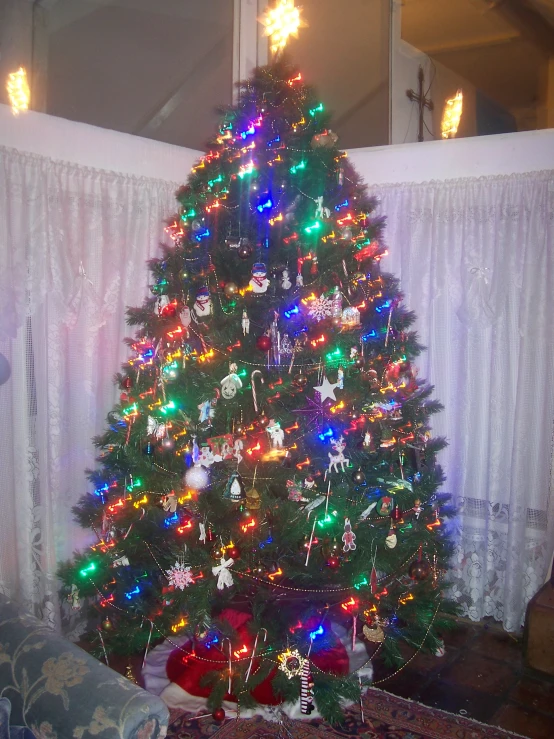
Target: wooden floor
[482, 676]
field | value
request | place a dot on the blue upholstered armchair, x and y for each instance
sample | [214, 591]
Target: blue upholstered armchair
[60, 692]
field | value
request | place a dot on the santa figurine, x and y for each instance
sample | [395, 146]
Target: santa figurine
[203, 304]
[259, 282]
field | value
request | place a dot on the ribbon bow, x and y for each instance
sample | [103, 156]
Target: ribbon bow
[224, 577]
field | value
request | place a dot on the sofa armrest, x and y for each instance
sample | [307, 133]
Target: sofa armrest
[61, 692]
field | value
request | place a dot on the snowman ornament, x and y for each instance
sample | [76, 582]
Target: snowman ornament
[203, 304]
[231, 383]
[259, 281]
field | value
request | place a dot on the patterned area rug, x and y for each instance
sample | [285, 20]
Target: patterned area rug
[386, 717]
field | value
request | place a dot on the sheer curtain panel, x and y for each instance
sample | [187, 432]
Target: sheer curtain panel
[73, 245]
[475, 258]
[476, 262]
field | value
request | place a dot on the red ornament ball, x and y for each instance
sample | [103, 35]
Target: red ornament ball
[244, 250]
[333, 562]
[234, 552]
[263, 343]
[230, 290]
[419, 570]
[358, 477]
[218, 715]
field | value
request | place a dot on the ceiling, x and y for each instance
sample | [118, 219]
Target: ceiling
[500, 46]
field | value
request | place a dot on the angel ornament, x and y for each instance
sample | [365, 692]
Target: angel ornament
[286, 284]
[348, 537]
[74, 599]
[238, 446]
[321, 211]
[169, 502]
[245, 323]
[155, 428]
[224, 577]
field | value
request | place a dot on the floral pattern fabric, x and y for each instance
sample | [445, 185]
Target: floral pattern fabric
[60, 692]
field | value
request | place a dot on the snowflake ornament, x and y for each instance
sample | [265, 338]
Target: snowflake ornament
[320, 308]
[180, 576]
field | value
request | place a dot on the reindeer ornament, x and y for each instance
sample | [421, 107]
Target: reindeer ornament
[338, 458]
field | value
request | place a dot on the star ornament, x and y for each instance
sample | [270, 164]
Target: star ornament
[281, 21]
[327, 389]
[291, 662]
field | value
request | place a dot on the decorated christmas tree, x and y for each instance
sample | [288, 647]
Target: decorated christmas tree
[266, 495]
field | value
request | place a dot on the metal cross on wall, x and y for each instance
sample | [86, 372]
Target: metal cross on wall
[422, 102]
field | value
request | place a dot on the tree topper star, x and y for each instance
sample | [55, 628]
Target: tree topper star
[326, 389]
[281, 21]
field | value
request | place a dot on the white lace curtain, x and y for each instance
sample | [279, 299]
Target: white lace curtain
[73, 245]
[475, 258]
[476, 263]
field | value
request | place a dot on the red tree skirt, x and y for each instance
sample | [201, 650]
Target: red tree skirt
[188, 671]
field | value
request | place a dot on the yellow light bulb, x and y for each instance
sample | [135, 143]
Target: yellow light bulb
[451, 115]
[18, 90]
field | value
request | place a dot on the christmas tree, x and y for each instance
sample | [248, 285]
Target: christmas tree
[267, 486]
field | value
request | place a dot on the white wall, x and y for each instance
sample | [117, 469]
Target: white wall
[89, 146]
[481, 156]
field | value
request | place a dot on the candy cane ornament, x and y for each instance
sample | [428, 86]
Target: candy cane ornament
[306, 689]
[247, 676]
[254, 397]
[230, 685]
[310, 543]
[148, 643]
